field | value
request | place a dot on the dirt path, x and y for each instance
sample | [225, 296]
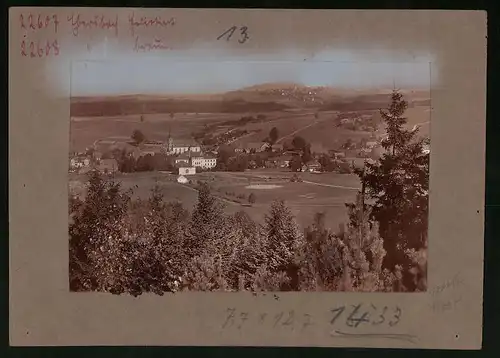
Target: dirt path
[301, 129]
[330, 185]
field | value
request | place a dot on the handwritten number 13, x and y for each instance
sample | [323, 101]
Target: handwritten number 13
[230, 32]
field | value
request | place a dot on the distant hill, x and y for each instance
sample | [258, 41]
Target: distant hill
[260, 98]
[121, 106]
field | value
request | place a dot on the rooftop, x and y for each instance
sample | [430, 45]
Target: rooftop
[254, 145]
[205, 156]
[108, 162]
[285, 157]
[184, 156]
[184, 165]
[184, 143]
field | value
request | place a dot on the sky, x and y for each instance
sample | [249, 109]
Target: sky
[145, 75]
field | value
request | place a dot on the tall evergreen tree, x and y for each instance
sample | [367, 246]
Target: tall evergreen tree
[284, 242]
[397, 187]
[96, 237]
[208, 224]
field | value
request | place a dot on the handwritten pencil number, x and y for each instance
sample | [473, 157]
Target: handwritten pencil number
[336, 313]
[230, 32]
[277, 318]
[244, 35]
[23, 49]
[243, 318]
[290, 318]
[353, 321]
[381, 317]
[30, 19]
[21, 19]
[397, 317]
[230, 318]
[32, 50]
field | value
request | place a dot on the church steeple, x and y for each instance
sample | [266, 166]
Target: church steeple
[170, 143]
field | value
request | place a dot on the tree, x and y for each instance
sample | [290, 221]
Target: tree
[207, 223]
[287, 145]
[299, 143]
[326, 163]
[306, 154]
[145, 163]
[398, 185]
[238, 163]
[138, 137]
[284, 242]
[252, 198]
[162, 259]
[273, 135]
[107, 155]
[350, 260]
[204, 273]
[224, 154]
[127, 164]
[159, 162]
[96, 237]
[296, 163]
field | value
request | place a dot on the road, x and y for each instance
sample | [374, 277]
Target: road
[330, 185]
[288, 116]
[301, 129]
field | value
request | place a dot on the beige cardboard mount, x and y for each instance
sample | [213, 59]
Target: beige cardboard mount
[44, 312]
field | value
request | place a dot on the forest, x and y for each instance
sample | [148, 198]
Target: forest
[131, 246]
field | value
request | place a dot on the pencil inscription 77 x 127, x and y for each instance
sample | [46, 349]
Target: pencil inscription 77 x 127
[341, 316]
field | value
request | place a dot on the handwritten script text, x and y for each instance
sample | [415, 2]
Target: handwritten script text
[96, 22]
[145, 22]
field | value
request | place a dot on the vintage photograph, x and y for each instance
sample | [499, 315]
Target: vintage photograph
[248, 176]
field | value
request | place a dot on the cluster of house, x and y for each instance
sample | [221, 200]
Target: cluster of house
[250, 148]
[83, 162]
[187, 153]
[188, 161]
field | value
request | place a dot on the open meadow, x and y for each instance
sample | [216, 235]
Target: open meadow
[326, 192]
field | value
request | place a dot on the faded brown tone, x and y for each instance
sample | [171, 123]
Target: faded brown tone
[43, 312]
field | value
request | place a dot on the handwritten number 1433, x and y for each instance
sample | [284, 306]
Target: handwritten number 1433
[230, 32]
[358, 316]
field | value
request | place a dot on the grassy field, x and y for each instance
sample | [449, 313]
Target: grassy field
[317, 193]
[321, 132]
[85, 130]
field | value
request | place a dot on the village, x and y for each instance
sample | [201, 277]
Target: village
[188, 156]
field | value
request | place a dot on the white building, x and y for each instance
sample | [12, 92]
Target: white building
[182, 146]
[184, 158]
[79, 162]
[205, 162]
[186, 170]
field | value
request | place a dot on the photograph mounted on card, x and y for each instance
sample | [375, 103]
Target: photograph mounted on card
[246, 177]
